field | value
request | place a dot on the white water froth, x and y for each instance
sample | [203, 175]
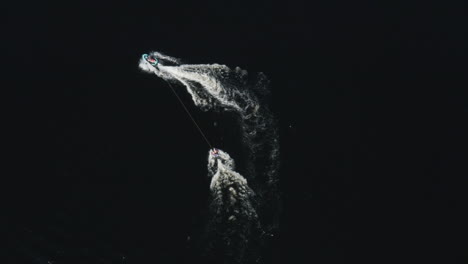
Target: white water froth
[214, 86]
[239, 216]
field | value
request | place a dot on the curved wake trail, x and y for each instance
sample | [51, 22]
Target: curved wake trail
[218, 87]
[214, 86]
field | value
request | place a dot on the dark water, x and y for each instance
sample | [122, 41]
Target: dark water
[104, 166]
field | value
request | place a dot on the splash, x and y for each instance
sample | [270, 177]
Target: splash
[215, 87]
[240, 214]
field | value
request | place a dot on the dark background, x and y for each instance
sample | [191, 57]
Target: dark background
[104, 166]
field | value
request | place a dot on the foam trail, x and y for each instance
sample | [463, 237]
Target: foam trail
[218, 87]
[234, 229]
[214, 86]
